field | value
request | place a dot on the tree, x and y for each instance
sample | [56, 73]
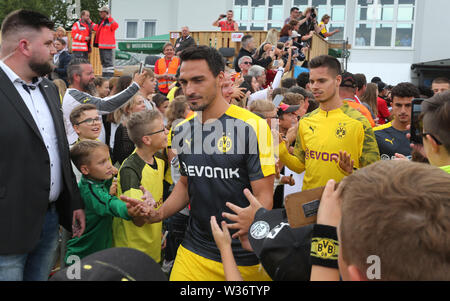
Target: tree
[56, 10]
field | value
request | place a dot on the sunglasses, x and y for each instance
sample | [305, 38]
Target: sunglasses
[247, 63]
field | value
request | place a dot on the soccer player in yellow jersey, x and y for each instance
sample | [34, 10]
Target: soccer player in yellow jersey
[333, 133]
[215, 166]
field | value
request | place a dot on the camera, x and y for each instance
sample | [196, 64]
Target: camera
[313, 13]
[222, 16]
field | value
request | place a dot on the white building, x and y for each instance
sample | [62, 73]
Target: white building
[387, 36]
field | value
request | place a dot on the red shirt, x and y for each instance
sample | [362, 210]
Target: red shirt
[226, 26]
[383, 111]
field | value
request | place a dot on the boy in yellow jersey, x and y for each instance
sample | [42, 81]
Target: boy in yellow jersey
[327, 132]
[142, 168]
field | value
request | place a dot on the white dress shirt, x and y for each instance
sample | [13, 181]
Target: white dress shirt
[36, 104]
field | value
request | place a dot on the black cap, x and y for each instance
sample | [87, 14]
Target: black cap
[283, 251]
[348, 80]
[115, 264]
[284, 108]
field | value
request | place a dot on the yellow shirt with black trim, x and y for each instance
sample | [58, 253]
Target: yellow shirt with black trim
[220, 159]
[133, 173]
[321, 135]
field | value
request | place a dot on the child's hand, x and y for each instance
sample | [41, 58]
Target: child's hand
[221, 236]
[115, 171]
[287, 180]
[113, 188]
[246, 243]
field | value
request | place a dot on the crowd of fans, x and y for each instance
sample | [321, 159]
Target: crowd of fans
[211, 207]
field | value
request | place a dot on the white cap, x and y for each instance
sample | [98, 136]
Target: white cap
[295, 34]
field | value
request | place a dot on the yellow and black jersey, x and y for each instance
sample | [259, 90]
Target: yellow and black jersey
[321, 135]
[133, 173]
[391, 141]
[220, 159]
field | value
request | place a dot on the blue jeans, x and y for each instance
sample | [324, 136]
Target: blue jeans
[36, 265]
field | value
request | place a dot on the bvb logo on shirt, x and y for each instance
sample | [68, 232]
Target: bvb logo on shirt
[341, 131]
[224, 144]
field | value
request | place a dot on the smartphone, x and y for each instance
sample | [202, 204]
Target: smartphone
[416, 122]
[275, 63]
[277, 100]
[141, 67]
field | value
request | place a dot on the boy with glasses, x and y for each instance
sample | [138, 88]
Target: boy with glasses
[86, 122]
[142, 169]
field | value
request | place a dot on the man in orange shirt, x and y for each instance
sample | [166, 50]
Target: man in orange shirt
[347, 91]
[166, 68]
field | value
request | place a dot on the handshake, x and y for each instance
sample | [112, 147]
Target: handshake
[144, 210]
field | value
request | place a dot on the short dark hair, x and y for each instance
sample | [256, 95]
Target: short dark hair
[279, 91]
[74, 67]
[405, 90]
[159, 99]
[78, 110]
[246, 39]
[436, 117]
[62, 41]
[288, 82]
[326, 61]
[360, 79]
[294, 8]
[303, 79]
[80, 152]
[20, 19]
[375, 79]
[441, 80]
[99, 81]
[212, 57]
[299, 90]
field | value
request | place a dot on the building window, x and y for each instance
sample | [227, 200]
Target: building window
[336, 9]
[149, 29]
[385, 23]
[259, 14]
[132, 27]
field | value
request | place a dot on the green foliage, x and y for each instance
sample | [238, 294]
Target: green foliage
[55, 9]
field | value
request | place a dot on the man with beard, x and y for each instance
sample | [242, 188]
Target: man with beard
[222, 150]
[38, 190]
[81, 78]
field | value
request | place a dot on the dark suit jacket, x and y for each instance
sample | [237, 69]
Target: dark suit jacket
[181, 44]
[63, 62]
[25, 170]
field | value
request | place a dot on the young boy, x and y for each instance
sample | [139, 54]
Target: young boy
[146, 129]
[86, 122]
[92, 159]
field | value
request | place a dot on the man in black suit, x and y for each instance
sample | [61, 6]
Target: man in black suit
[61, 60]
[38, 190]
